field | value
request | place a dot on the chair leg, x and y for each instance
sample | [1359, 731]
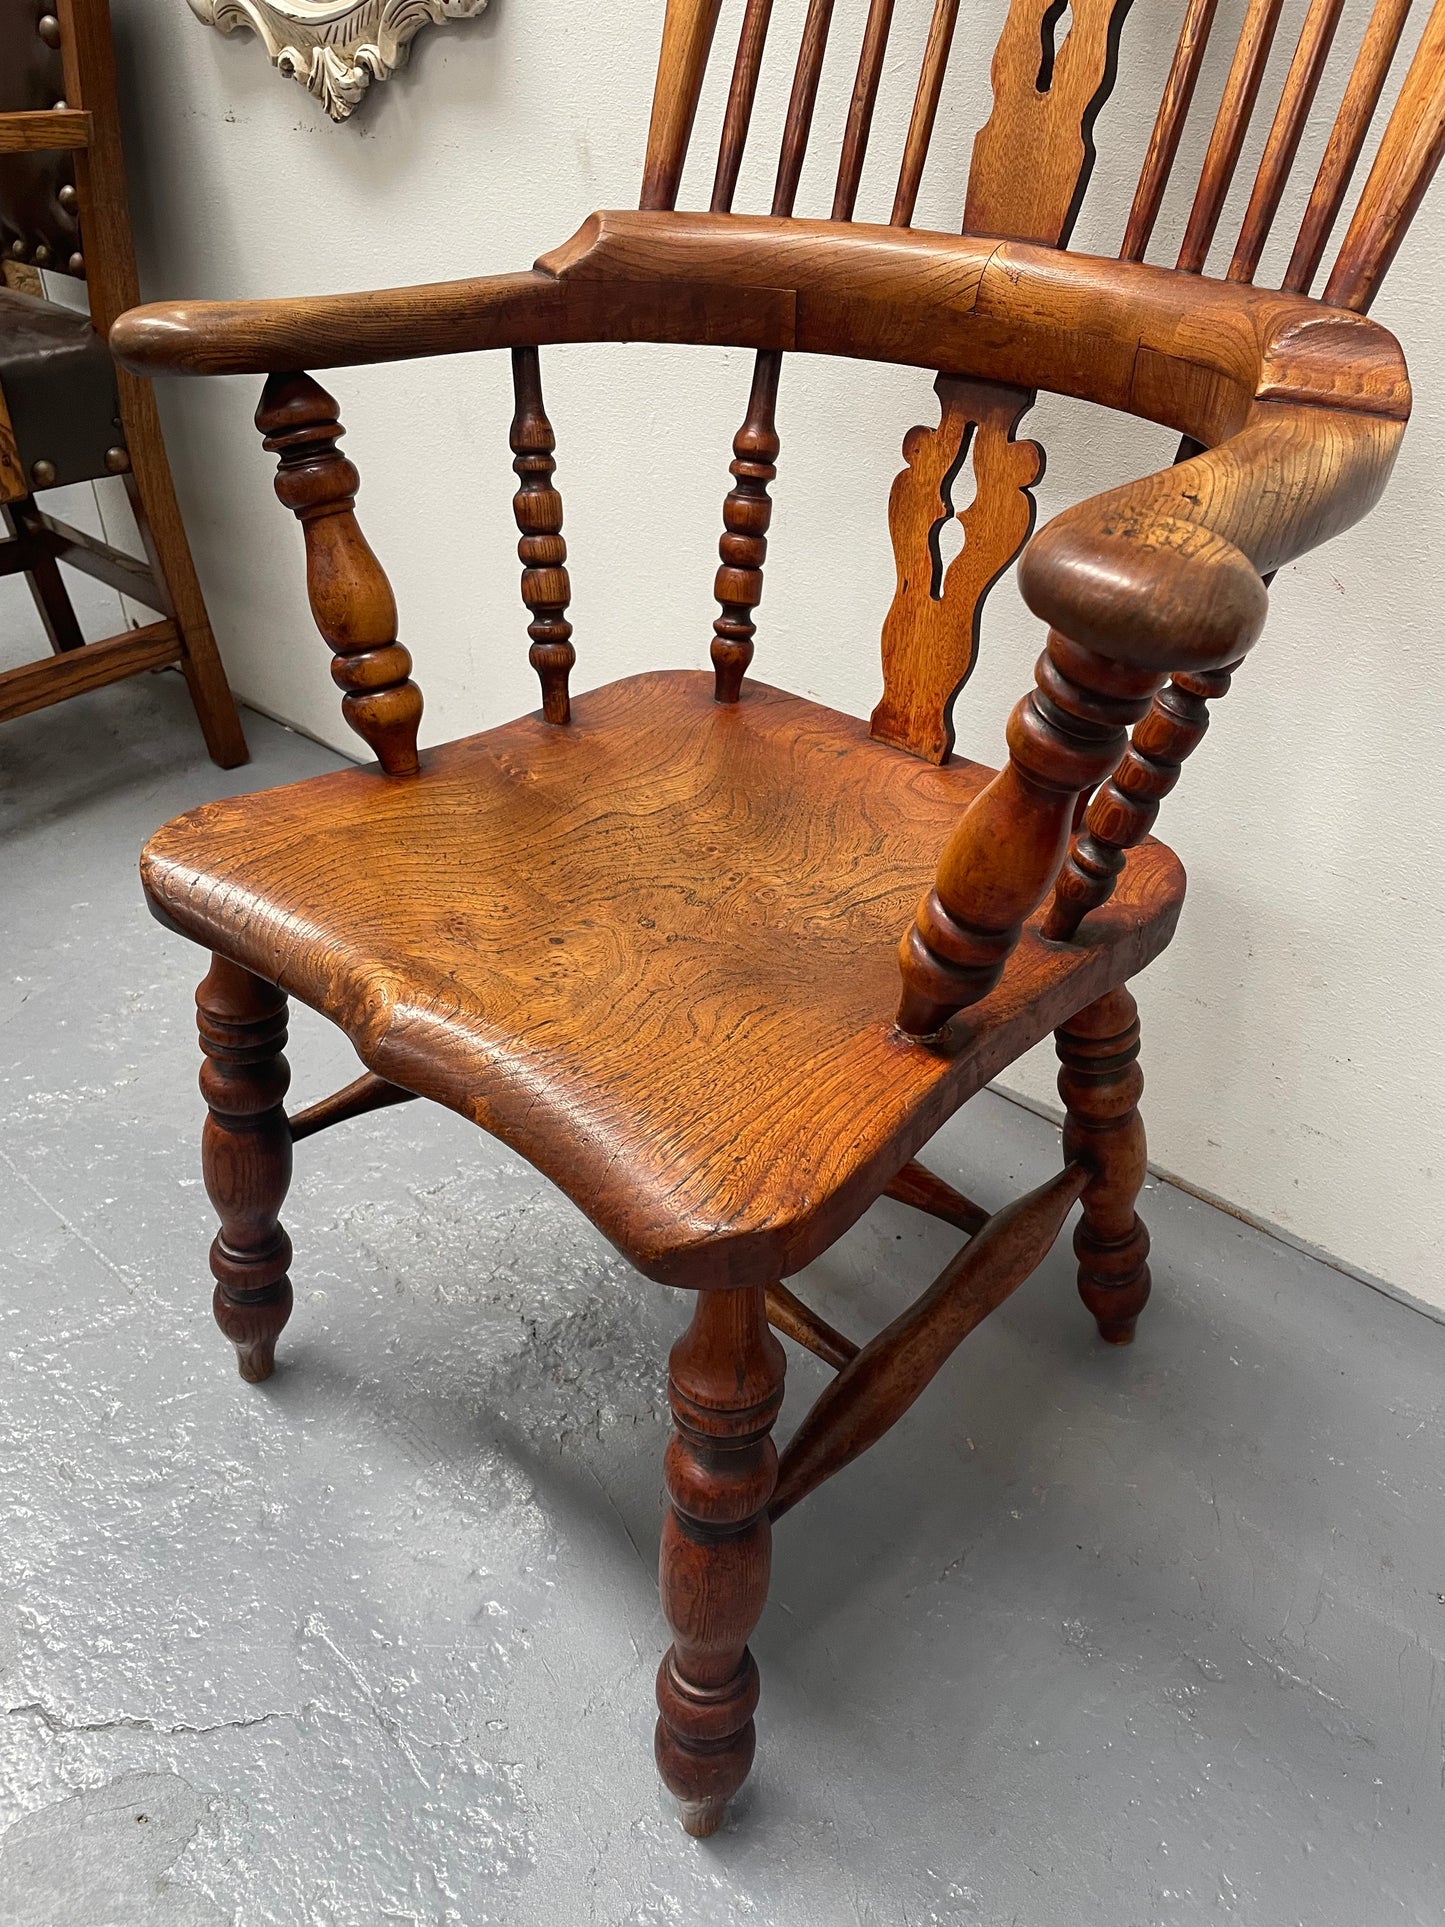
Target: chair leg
[46, 584]
[158, 517]
[1101, 1084]
[246, 1157]
[726, 1384]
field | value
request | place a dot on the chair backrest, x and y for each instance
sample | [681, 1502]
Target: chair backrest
[39, 227]
[1054, 67]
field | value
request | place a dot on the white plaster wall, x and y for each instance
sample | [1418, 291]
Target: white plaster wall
[1294, 1052]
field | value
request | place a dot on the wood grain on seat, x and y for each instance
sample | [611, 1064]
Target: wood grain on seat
[655, 952]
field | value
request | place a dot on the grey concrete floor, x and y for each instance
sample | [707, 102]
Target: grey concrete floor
[1094, 1639]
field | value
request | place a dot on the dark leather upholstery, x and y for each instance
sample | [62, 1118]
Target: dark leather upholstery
[34, 226]
[59, 385]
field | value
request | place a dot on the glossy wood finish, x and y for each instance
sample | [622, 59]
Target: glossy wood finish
[89, 125]
[1053, 69]
[662, 965]
[1169, 126]
[725, 1384]
[919, 1187]
[925, 111]
[1408, 156]
[350, 596]
[747, 516]
[657, 951]
[1306, 70]
[1100, 1083]
[542, 551]
[358, 1099]
[1231, 125]
[788, 1314]
[930, 637]
[1347, 138]
[246, 1158]
[873, 1391]
[1122, 811]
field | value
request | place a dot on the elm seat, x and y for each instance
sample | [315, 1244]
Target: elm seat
[471, 932]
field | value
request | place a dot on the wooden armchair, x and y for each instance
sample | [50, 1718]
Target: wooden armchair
[651, 938]
[67, 414]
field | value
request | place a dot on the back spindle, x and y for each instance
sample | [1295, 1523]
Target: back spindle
[1231, 124]
[860, 108]
[801, 103]
[1300, 87]
[1168, 127]
[687, 36]
[1347, 137]
[1409, 153]
[546, 587]
[747, 514]
[925, 111]
[741, 96]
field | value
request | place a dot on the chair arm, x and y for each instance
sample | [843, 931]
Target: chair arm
[1164, 573]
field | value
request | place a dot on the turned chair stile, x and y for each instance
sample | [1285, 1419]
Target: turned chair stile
[699, 1033]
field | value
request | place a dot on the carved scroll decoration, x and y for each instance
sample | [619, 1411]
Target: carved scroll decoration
[335, 48]
[930, 637]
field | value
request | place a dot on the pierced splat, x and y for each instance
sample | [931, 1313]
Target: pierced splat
[930, 637]
[1053, 69]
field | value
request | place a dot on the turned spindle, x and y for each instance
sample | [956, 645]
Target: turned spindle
[350, 596]
[546, 587]
[1122, 812]
[725, 1382]
[997, 867]
[246, 1158]
[1101, 1084]
[747, 513]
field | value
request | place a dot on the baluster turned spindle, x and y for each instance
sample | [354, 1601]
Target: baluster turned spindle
[1123, 811]
[747, 515]
[350, 596]
[546, 587]
[1064, 737]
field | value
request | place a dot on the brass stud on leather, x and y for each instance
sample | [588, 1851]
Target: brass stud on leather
[48, 28]
[68, 198]
[60, 107]
[76, 265]
[17, 248]
[117, 461]
[42, 256]
[43, 474]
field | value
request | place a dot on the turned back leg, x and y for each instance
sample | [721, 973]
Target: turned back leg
[246, 1157]
[1101, 1084]
[726, 1383]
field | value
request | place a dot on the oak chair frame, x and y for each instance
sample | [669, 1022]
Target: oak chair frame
[84, 122]
[1291, 410]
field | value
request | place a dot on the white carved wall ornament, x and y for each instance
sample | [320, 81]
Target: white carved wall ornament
[335, 48]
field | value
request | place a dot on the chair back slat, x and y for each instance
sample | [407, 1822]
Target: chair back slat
[860, 108]
[1301, 85]
[801, 102]
[741, 96]
[1053, 69]
[688, 28]
[1231, 124]
[1347, 137]
[925, 110]
[1169, 123]
[1409, 153]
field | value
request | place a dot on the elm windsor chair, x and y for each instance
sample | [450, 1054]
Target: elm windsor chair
[649, 938]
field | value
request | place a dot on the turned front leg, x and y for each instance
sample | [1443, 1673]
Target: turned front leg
[1101, 1084]
[725, 1383]
[246, 1158]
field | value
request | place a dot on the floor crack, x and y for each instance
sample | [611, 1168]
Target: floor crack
[137, 1723]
